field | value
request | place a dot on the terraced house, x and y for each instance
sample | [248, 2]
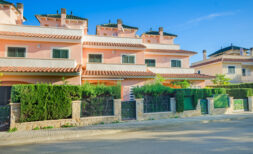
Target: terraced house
[61, 47]
[233, 61]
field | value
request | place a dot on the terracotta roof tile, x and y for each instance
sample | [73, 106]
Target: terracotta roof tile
[77, 69]
[121, 74]
[172, 51]
[208, 62]
[115, 44]
[183, 76]
[39, 35]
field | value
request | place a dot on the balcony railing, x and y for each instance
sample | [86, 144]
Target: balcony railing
[116, 67]
[164, 70]
[27, 62]
[94, 38]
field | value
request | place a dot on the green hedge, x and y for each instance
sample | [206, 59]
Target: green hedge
[44, 102]
[152, 90]
[221, 101]
[47, 102]
[240, 93]
[239, 85]
[88, 90]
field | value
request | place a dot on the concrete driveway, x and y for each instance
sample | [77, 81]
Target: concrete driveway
[234, 136]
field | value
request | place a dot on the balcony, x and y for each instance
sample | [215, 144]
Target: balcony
[165, 70]
[104, 39]
[116, 67]
[27, 62]
[162, 46]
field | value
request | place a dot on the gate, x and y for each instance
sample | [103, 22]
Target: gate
[204, 106]
[128, 110]
[5, 95]
[188, 103]
[241, 104]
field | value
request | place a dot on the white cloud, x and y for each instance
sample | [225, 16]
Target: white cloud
[210, 16]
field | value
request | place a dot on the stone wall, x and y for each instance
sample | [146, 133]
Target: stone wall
[140, 115]
[76, 120]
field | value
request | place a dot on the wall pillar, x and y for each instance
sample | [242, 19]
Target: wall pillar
[210, 104]
[173, 105]
[117, 108]
[139, 109]
[14, 114]
[198, 107]
[250, 102]
[231, 104]
[76, 110]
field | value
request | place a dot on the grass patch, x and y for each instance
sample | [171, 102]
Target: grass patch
[115, 122]
[67, 125]
[12, 130]
[48, 127]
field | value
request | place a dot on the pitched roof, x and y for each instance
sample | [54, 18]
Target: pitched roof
[157, 33]
[77, 69]
[221, 51]
[40, 35]
[115, 26]
[172, 51]
[115, 44]
[208, 62]
[186, 76]
[59, 16]
[118, 74]
[9, 3]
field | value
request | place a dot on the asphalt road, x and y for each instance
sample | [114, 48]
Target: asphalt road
[217, 137]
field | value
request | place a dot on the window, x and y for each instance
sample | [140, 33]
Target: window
[198, 71]
[60, 53]
[231, 69]
[95, 58]
[128, 59]
[16, 52]
[150, 62]
[243, 72]
[175, 63]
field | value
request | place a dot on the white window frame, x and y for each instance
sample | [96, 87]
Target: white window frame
[95, 53]
[124, 54]
[176, 59]
[150, 59]
[16, 46]
[69, 53]
[228, 69]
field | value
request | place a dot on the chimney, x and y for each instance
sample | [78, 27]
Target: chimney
[204, 54]
[20, 7]
[119, 23]
[161, 31]
[63, 16]
[251, 52]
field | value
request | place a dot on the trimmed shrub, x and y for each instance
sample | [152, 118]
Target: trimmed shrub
[180, 101]
[240, 93]
[156, 89]
[239, 85]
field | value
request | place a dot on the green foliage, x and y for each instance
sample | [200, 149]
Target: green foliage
[44, 101]
[1, 74]
[181, 84]
[36, 128]
[221, 101]
[220, 79]
[180, 101]
[155, 89]
[89, 90]
[48, 127]
[67, 125]
[159, 79]
[12, 130]
[240, 93]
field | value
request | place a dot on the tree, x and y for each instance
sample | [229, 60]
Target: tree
[159, 79]
[181, 84]
[220, 79]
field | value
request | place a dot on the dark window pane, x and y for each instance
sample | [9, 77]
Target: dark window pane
[126, 59]
[95, 58]
[150, 62]
[16, 52]
[60, 53]
[175, 63]
[231, 69]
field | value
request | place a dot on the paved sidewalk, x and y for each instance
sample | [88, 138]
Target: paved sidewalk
[40, 136]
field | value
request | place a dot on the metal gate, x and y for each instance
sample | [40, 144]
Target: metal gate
[241, 104]
[128, 110]
[5, 95]
[204, 106]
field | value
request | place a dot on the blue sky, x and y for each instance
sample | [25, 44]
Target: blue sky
[199, 24]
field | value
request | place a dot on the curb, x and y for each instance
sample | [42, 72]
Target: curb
[89, 133]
